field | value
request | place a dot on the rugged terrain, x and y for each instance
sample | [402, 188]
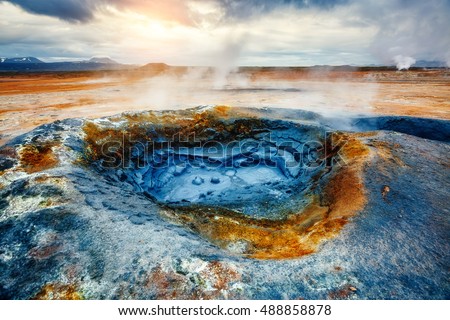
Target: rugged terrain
[301, 207]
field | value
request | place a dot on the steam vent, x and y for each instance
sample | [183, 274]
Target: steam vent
[226, 203]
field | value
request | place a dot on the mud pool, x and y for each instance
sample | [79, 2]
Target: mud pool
[272, 165]
[117, 208]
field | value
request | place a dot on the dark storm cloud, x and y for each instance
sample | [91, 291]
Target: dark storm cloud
[234, 6]
[84, 10]
[247, 8]
[70, 10]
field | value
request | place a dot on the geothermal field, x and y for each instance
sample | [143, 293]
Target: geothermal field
[165, 182]
[29, 100]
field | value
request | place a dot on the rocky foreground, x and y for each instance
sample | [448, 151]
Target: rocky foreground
[222, 203]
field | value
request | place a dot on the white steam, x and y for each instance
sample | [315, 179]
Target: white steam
[225, 62]
[408, 30]
[314, 90]
[403, 62]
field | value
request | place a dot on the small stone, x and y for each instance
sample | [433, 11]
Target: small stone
[215, 180]
[198, 181]
[352, 289]
[137, 220]
[384, 191]
[230, 173]
[179, 170]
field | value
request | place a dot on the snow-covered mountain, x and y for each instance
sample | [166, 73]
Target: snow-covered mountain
[21, 60]
[31, 64]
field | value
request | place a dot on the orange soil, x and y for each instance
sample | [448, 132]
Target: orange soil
[27, 101]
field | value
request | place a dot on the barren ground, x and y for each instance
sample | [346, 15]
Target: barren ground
[29, 100]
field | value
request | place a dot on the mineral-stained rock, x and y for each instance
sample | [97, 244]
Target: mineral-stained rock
[58, 292]
[283, 206]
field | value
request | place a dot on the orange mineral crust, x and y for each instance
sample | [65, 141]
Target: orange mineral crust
[300, 233]
[59, 291]
[37, 157]
[329, 205]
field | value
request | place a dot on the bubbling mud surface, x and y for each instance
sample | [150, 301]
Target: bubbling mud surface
[262, 173]
[251, 185]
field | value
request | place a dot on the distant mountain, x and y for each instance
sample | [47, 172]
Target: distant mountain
[104, 60]
[21, 60]
[429, 64]
[156, 67]
[31, 64]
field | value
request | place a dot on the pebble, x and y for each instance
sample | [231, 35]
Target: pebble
[230, 173]
[215, 180]
[137, 219]
[198, 181]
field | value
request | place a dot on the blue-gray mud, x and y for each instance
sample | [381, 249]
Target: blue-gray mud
[71, 227]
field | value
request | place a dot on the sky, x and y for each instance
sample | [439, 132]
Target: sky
[231, 32]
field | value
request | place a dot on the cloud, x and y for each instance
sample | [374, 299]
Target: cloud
[277, 32]
[70, 10]
[86, 10]
[243, 9]
[179, 10]
[283, 36]
[416, 29]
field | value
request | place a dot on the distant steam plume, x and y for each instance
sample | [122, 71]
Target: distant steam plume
[226, 60]
[409, 30]
[404, 62]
